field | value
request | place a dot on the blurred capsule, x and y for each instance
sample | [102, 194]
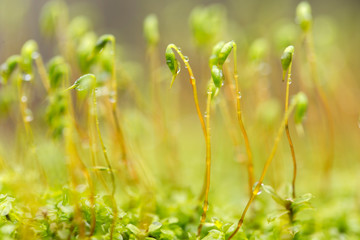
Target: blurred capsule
[217, 76]
[27, 54]
[258, 49]
[53, 14]
[151, 30]
[58, 70]
[207, 23]
[7, 68]
[101, 43]
[301, 107]
[303, 16]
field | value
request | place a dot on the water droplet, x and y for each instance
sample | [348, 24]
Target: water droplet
[178, 70]
[28, 115]
[239, 95]
[290, 82]
[260, 188]
[26, 77]
[24, 99]
[35, 55]
[205, 115]
[186, 58]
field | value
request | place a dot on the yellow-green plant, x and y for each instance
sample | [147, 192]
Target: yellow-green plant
[286, 62]
[298, 100]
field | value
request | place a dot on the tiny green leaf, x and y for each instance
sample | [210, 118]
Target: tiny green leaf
[151, 29]
[225, 51]
[268, 189]
[301, 107]
[286, 59]
[217, 76]
[277, 214]
[303, 16]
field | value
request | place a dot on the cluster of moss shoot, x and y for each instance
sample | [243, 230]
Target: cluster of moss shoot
[98, 57]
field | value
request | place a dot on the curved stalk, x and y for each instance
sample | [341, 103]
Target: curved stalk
[193, 84]
[288, 82]
[250, 166]
[325, 103]
[208, 162]
[267, 164]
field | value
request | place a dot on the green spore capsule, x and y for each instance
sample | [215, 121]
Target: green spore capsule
[303, 16]
[86, 82]
[212, 89]
[78, 28]
[214, 58]
[225, 51]
[52, 16]
[7, 68]
[172, 63]
[286, 59]
[58, 69]
[151, 30]
[301, 107]
[217, 76]
[258, 50]
[28, 52]
[101, 43]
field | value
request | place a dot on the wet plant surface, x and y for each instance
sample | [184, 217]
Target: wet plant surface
[257, 139]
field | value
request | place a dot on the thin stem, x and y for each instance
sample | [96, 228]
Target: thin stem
[267, 164]
[42, 72]
[288, 82]
[108, 164]
[23, 100]
[208, 162]
[250, 165]
[325, 103]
